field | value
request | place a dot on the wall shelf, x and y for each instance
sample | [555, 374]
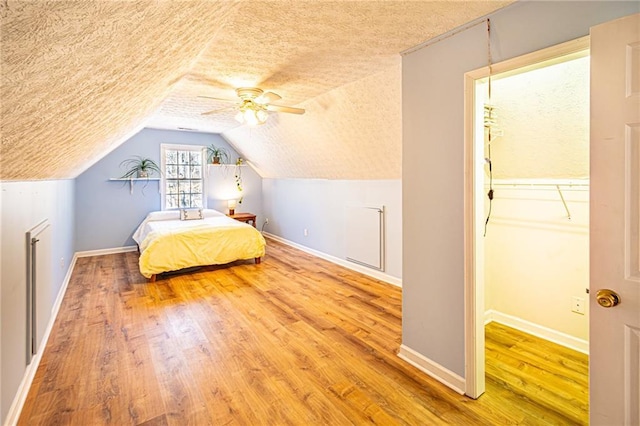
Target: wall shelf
[132, 180]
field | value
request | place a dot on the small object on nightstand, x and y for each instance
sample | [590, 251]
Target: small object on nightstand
[232, 207]
[244, 217]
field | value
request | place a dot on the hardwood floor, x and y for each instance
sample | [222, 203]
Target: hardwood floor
[548, 380]
[294, 340]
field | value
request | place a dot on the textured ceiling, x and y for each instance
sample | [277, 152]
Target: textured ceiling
[79, 77]
[543, 116]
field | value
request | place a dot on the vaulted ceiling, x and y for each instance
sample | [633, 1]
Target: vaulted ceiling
[80, 77]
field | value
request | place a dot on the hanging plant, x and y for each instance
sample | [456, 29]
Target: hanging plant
[238, 177]
[139, 167]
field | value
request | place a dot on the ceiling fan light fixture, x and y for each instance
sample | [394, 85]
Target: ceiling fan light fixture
[261, 115]
[250, 117]
[252, 113]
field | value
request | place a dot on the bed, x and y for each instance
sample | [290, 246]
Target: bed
[177, 239]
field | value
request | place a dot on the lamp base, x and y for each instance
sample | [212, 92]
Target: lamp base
[232, 211]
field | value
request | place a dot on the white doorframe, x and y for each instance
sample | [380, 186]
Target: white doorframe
[473, 286]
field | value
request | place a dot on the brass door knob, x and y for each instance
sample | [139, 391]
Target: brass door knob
[607, 298]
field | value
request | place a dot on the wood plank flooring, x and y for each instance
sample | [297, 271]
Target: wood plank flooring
[545, 379]
[295, 340]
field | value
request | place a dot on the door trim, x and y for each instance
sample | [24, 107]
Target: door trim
[474, 296]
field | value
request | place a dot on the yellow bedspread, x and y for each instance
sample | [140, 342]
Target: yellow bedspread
[173, 245]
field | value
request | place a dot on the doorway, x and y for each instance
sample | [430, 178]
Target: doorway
[512, 266]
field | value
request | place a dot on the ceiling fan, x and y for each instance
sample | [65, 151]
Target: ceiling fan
[253, 105]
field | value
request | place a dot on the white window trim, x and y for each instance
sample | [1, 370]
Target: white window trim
[163, 184]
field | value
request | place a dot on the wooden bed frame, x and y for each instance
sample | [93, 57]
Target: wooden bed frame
[154, 276]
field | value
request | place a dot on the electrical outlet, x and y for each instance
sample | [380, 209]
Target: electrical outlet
[62, 262]
[306, 232]
[577, 305]
[266, 220]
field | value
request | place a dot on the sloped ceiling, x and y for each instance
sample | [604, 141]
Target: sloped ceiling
[78, 78]
[352, 132]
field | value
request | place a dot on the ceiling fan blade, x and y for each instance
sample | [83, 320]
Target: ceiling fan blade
[268, 97]
[213, 111]
[281, 108]
[219, 99]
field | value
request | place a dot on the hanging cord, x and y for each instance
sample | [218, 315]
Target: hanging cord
[490, 193]
[488, 123]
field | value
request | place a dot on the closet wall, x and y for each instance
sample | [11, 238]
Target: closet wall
[537, 246]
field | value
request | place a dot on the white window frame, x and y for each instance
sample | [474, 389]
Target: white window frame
[163, 184]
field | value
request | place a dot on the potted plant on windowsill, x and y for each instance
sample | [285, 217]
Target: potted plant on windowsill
[139, 167]
[217, 155]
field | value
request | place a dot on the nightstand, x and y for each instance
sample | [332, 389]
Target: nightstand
[244, 217]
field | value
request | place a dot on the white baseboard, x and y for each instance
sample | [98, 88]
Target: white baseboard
[546, 333]
[27, 379]
[349, 265]
[101, 252]
[433, 369]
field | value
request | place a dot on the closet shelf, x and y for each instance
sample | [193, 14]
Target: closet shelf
[542, 184]
[576, 187]
[552, 184]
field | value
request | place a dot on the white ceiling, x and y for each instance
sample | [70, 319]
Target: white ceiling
[78, 78]
[543, 122]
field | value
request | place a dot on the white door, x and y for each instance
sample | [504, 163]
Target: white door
[614, 376]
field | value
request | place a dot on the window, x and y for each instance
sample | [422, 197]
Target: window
[183, 171]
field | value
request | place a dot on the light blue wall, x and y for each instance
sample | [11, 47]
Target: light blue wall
[293, 205]
[433, 154]
[108, 214]
[24, 205]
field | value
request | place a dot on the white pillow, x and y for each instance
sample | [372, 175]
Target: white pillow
[212, 213]
[175, 214]
[191, 214]
[163, 215]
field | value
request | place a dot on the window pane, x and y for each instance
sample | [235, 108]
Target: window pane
[172, 186]
[184, 186]
[196, 200]
[183, 157]
[172, 172]
[195, 172]
[196, 158]
[172, 201]
[185, 200]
